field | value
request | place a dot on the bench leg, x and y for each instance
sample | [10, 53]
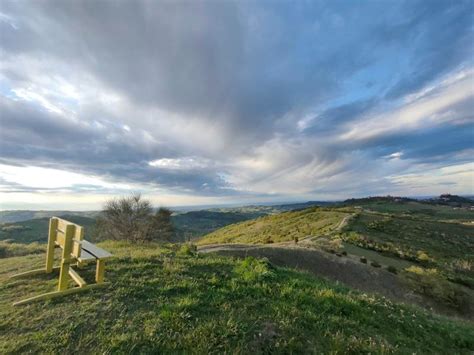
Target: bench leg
[32, 272]
[63, 276]
[54, 294]
[99, 271]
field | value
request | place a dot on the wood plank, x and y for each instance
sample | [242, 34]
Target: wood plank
[32, 272]
[76, 277]
[49, 295]
[99, 271]
[86, 256]
[95, 250]
[53, 225]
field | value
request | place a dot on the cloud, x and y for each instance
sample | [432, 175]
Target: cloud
[234, 101]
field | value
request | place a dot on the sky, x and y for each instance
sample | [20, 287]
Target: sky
[234, 102]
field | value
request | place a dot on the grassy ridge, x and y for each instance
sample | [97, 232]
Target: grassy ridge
[278, 228]
[165, 300]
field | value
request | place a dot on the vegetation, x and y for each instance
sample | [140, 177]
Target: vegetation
[428, 243]
[36, 230]
[132, 218]
[8, 249]
[281, 227]
[161, 301]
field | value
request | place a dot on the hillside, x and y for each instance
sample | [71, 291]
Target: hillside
[12, 216]
[32, 226]
[162, 299]
[36, 230]
[427, 209]
[195, 224]
[280, 227]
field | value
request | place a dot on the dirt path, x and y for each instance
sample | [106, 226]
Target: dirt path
[345, 270]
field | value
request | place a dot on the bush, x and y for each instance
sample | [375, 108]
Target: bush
[252, 269]
[392, 269]
[187, 249]
[295, 239]
[344, 253]
[131, 218]
[268, 240]
[375, 264]
[363, 259]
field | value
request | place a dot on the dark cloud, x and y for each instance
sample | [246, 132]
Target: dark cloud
[252, 91]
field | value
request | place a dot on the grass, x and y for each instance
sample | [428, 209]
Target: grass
[430, 243]
[278, 228]
[16, 249]
[416, 209]
[373, 255]
[161, 301]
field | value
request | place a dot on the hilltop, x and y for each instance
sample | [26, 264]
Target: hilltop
[280, 227]
[428, 247]
[166, 299]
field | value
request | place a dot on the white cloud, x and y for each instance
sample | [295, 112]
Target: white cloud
[189, 163]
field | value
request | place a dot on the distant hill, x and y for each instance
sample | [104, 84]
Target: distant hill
[280, 227]
[451, 200]
[36, 230]
[31, 226]
[431, 209]
[11, 216]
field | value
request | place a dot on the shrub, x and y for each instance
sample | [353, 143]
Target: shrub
[252, 269]
[295, 239]
[392, 269]
[131, 218]
[187, 249]
[363, 259]
[423, 257]
[344, 253]
[375, 264]
[268, 240]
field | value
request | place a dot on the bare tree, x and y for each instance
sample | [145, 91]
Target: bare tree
[131, 218]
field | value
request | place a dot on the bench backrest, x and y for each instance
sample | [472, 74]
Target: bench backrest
[67, 235]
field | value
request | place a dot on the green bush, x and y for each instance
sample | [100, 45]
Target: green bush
[375, 264]
[252, 269]
[187, 249]
[363, 259]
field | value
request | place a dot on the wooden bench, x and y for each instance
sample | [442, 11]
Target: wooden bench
[75, 252]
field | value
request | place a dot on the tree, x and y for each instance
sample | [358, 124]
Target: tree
[163, 225]
[131, 218]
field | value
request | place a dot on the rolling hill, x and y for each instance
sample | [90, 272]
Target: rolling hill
[280, 227]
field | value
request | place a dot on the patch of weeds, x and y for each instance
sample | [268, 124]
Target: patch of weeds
[431, 283]
[252, 269]
[187, 249]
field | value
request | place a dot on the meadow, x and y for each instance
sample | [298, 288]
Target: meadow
[165, 298]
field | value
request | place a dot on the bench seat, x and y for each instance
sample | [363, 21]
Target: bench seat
[90, 251]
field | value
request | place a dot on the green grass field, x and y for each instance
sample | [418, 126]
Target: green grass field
[416, 209]
[278, 228]
[162, 299]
